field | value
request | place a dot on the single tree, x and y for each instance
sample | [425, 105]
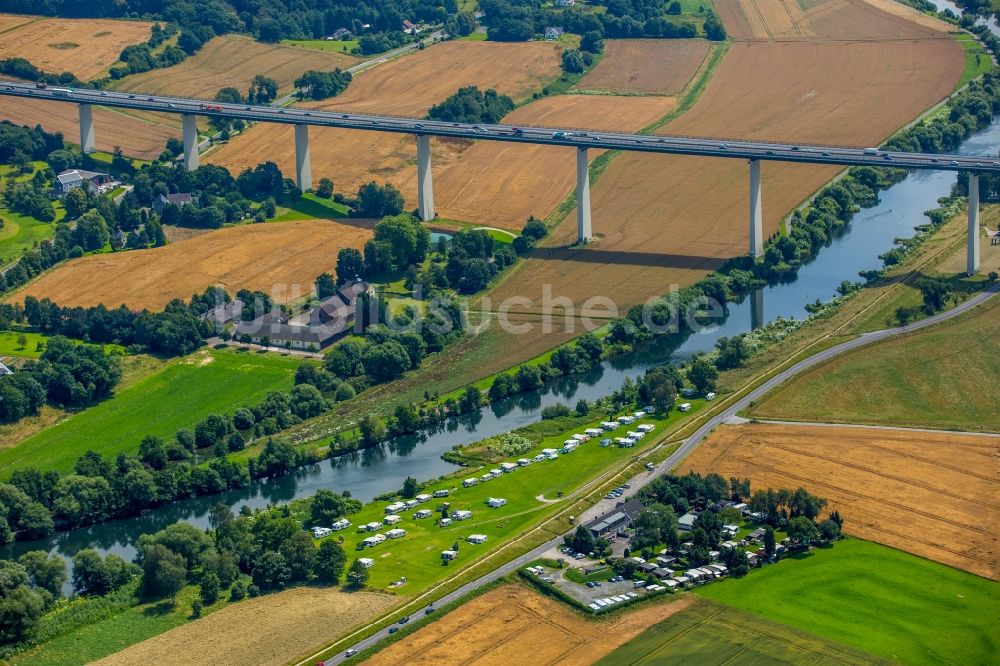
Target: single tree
[164, 572]
[357, 575]
[330, 561]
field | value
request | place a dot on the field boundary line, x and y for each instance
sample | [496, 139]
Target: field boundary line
[869, 426]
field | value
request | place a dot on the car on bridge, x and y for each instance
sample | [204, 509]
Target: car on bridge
[562, 135]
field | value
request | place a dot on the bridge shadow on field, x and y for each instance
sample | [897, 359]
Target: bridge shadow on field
[623, 258]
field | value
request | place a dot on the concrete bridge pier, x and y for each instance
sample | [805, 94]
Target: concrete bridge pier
[303, 162]
[972, 255]
[425, 183]
[88, 141]
[756, 211]
[583, 227]
[190, 125]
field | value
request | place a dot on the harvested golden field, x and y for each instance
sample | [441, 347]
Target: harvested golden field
[930, 493]
[819, 20]
[136, 137]
[10, 21]
[513, 625]
[646, 66]
[272, 629]
[85, 47]
[501, 184]
[233, 60]
[407, 86]
[411, 84]
[666, 220]
[281, 259]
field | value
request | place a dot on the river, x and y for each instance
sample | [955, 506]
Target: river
[990, 22]
[372, 472]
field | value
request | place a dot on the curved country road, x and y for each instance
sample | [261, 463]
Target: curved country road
[686, 448]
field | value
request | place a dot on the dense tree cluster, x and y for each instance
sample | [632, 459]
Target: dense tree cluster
[579, 356]
[471, 260]
[23, 69]
[670, 496]
[322, 85]
[520, 20]
[267, 20]
[66, 375]
[34, 503]
[19, 145]
[461, 24]
[386, 352]
[398, 243]
[263, 90]
[218, 197]
[138, 58]
[472, 105]
[175, 331]
[242, 554]
[377, 201]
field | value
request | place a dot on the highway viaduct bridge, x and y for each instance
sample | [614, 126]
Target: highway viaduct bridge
[581, 140]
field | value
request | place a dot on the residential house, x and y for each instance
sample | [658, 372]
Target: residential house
[179, 200]
[565, 3]
[319, 327]
[553, 32]
[686, 522]
[94, 181]
[341, 34]
[618, 519]
[224, 313]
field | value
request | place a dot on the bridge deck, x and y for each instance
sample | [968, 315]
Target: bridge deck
[557, 136]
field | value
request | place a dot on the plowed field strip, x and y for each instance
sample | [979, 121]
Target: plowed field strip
[814, 482]
[870, 470]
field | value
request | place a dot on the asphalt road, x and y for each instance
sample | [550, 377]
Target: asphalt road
[685, 449]
[557, 136]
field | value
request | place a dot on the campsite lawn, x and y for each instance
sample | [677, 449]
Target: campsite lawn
[711, 633]
[417, 556]
[876, 599]
[177, 396]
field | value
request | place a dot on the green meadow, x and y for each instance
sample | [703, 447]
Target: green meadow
[711, 633]
[177, 396]
[878, 600]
